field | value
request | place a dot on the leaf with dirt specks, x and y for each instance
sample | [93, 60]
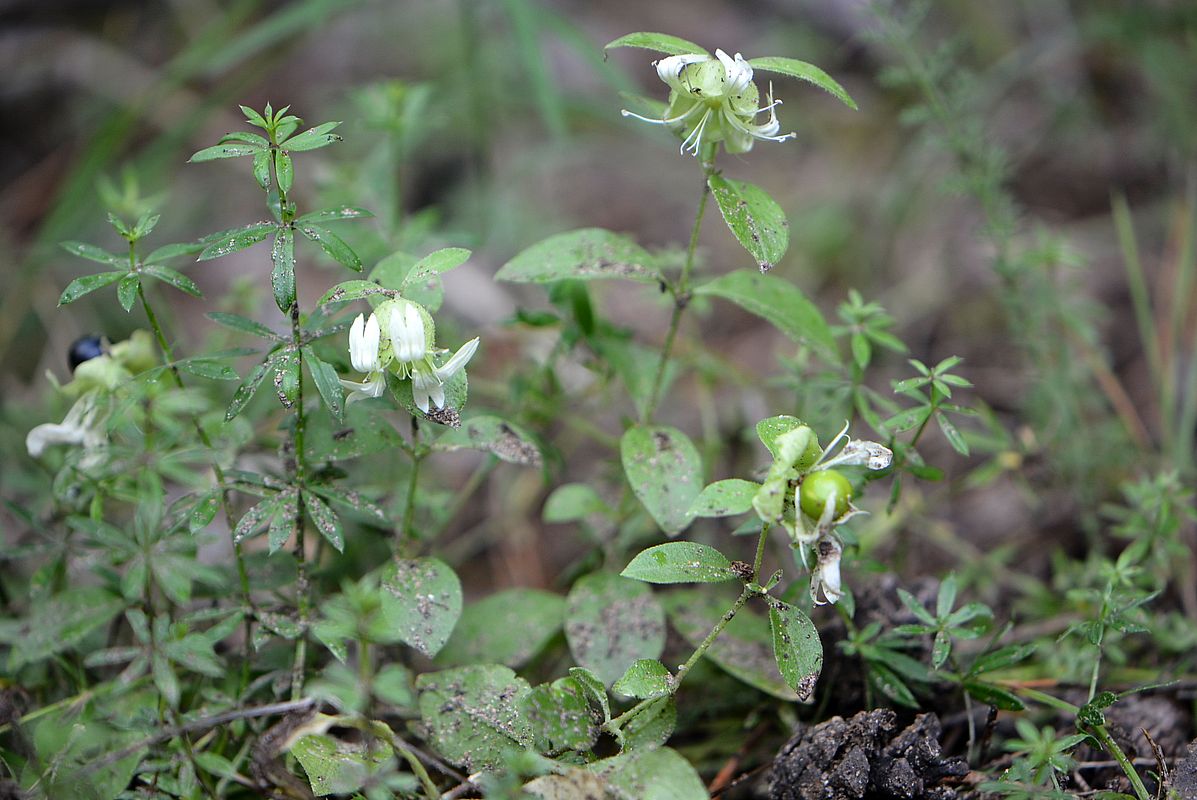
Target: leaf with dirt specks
[796, 647]
[744, 649]
[587, 254]
[659, 774]
[472, 714]
[337, 767]
[725, 498]
[561, 717]
[574, 783]
[665, 472]
[421, 599]
[679, 562]
[494, 435]
[364, 430]
[754, 217]
[646, 678]
[325, 520]
[610, 622]
[508, 627]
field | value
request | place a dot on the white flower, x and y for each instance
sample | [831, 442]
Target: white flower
[856, 453]
[374, 385]
[714, 100]
[408, 340]
[428, 387]
[83, 425]
[364, 339]
[825, 578]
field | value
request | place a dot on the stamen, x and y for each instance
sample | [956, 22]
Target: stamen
[754, 131]
[663, 121]
[696, 134]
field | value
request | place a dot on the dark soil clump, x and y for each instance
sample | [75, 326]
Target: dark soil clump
[860, 758]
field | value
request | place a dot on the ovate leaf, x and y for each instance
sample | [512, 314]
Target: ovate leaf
[803, 71]
[611, 622]
[473, 714]
[586, 254]
[421, 600]
[779, 302]
[658, 43]
[680, 562]
[796, 647]
[754, 217]
[665, 471]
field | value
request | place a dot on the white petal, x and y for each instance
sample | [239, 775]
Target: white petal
[374, 385]
[858, 452]
[364, 338]
[407, 334]
[739, 72]
[422, 386]
[455, 364]
[52, 433]
[670, 69]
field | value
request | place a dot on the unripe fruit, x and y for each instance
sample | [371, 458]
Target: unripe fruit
[818, 486]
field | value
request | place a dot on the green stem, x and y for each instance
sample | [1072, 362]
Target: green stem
[1128, 768]
[408, 541]
[302, 589]
[681, 296]
[684, 669]
[217, 471]
[760, 554]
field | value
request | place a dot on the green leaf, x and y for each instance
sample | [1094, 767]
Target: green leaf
[364, 430]
[332, 244]
[779, 302]
[312, 138]
[745, 647]
[229, 150]
[284, 170]
[243, 324]
[573, 502]
[646, 678]
[93, 253]
[262, 169]
[509, 627]
[560, 716]
[680, 562]
[209, 368]
[506, 440]
[255, 518]
[803, 71]
[168, 251]
[419, 280]
[245, 137]
[282, 275]
[325, 520]
[421, 600]
[174, 278]
[126, 290]
[595, 690]
[586, 254]
[651, 774]
[327, 383]
[472, 714]
[334, 215]
[88, 284]
[165, 679]
[993, 695]
[348, 291]
[658, 43]
[59, 623]
[796, 647]
[755, 219]
[650, 728]
[665, 472]
[232, 241]
[725, 498]
[611, 622]
[951, 433]
[204, 511]
[337, 767]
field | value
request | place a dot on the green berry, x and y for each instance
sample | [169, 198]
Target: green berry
[818, 486]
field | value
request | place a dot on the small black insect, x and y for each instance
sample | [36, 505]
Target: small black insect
[85, 348]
